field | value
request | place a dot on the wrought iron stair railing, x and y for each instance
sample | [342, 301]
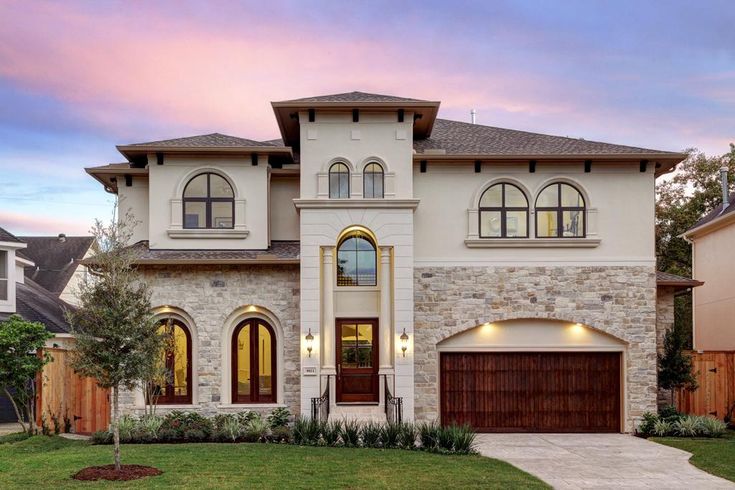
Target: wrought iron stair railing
[393, 404]
[320, 404]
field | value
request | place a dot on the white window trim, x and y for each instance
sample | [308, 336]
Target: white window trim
[177, 230]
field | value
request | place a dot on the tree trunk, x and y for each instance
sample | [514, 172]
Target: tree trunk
[116, 425]
[31, 409]
[672, 397]
[15, 407]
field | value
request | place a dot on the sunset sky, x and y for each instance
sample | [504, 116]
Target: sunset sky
[77, 78]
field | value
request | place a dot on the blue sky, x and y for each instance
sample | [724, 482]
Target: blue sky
[77, 78]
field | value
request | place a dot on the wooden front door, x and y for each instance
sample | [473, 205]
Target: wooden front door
[357, 361]
[532, 391]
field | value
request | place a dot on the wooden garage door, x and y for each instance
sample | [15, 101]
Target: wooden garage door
[532, 391]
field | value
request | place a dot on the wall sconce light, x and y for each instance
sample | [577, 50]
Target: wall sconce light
[404, 342]
[309, 342]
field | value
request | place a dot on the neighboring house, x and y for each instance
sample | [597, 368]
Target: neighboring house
[23, 296]
[57, 259]
[712, 239]
[491, 276]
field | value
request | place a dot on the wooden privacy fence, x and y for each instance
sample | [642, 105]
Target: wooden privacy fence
[63, 393]
[715, 372]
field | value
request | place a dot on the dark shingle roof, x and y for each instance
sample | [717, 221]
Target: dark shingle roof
[214, 140]
[464, 138]
[35, 304]
[55, 260]
[6, 236]
[279, 251]
[353, 97]
[716, 213]
[668, 279]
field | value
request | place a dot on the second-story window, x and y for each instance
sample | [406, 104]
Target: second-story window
[560, 212]
[372, 181]
[356, 261]
[339, 181]
[209, 202]
[503, 212]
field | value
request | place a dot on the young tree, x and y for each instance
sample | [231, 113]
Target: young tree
[674, 365]
[20, 363]
[116, 338]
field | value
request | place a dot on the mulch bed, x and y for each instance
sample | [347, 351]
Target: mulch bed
[107, 472]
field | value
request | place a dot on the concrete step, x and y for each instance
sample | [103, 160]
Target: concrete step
[361, 413]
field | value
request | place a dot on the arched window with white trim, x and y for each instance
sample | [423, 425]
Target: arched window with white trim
[503, 212]
[208, 202]
[339, 181]
[372, 181]
[560, 212]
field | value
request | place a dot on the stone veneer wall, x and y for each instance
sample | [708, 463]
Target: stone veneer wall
[664, 322]
[209, 294]
[618, 300]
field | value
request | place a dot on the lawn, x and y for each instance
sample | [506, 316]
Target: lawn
[716, 456]
[49, 462]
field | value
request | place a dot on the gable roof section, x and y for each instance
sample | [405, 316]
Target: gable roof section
[709, 219]
[351, 97]
[55, 260]
[6, 236]
[35, 304]
[213, 140]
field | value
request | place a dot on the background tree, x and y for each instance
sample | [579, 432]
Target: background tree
[116, 337]
[674, 365]
[20, 363]
[681, 200]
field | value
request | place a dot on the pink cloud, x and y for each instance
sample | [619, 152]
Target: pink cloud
[112, 65]
[26, 224]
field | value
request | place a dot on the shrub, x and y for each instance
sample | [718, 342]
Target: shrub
[127, 426]
[645, 428]
[712, 427]
[370, 434]
[463, 438]
[305, 431]
[407, 436]
[102, 437]
[389, 434]
[281, 434]
[350, 433]
[246, 416]
[428, 435]
[67, 423]
[227, 428]
[256, 430]
[445, 439]
[150, 425]
[331, 431]
[670, 413]
[663, 428]
[279, 417]
[687, 426]
[176, 424]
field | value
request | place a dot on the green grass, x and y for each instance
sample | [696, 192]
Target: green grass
[49, 462]
[716, 456]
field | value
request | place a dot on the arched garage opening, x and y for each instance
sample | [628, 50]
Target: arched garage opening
[532, 376]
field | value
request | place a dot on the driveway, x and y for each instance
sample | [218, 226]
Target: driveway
[9, 428]
[598, 461]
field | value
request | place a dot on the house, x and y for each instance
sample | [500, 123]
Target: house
[23, 296]
[378, 260]
[713, 303]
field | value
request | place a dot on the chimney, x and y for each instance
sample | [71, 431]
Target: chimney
[725, 193]
[473, 113]
[62, 237]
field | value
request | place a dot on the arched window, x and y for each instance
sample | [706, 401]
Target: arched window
[339, 181]
[372, 181]
[254, 362]
[356, 261]
[209, 202]
[560, 212]
[503, 212]
[174, 385]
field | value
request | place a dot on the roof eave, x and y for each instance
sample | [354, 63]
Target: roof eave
[216, 261]
[128, 150]
[710, 226]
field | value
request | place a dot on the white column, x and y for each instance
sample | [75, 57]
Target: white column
[386, 309]
[327, 326]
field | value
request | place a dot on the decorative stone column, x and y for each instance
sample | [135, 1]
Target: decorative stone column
[386, 309]
[327, 325]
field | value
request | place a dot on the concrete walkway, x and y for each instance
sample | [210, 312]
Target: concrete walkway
[10, 428]
[569, 461]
